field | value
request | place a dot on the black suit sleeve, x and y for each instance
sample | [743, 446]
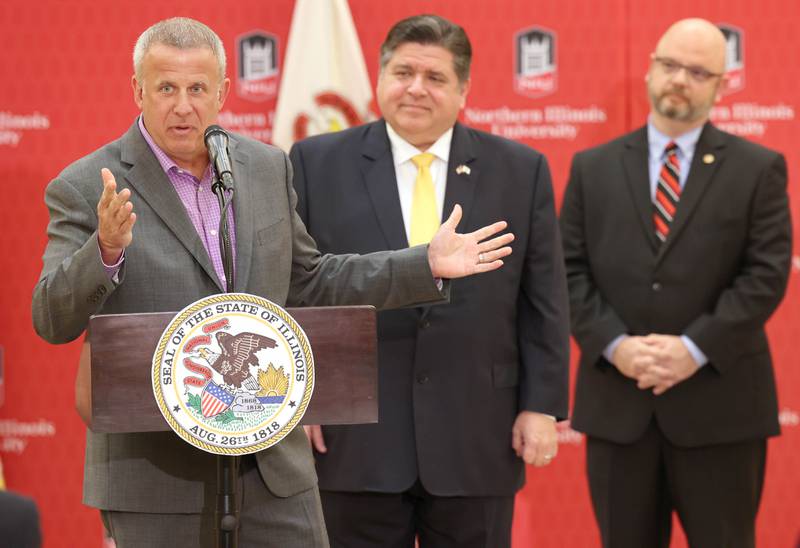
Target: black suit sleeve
[756, 291]
[594, 322]
[542, 308]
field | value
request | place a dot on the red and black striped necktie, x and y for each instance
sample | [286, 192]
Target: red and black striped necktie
[668, 192]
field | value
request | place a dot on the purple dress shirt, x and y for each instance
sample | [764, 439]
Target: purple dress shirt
[200, 203]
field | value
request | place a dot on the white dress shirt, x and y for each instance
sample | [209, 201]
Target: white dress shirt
[406, 171]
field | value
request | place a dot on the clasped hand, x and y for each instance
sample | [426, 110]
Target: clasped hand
[656, 362]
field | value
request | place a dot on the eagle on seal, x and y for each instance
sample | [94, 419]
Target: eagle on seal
[238, 355]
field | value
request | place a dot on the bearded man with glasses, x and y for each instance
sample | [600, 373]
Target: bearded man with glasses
[677, 244]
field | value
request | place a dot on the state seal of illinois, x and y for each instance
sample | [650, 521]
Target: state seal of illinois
[233, 374]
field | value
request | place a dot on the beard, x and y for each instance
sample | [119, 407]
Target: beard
[674, 103]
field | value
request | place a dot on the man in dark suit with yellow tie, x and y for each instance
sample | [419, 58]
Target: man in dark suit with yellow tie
[677, 243]
[469, 392]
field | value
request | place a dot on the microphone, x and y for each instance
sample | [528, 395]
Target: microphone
[216, 140]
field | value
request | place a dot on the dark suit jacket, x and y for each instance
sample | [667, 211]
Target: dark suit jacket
[717, 278]
[452, 378]
[19, 521]
[166, 268]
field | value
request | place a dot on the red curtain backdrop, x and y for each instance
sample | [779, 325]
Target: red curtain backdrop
[66, 90]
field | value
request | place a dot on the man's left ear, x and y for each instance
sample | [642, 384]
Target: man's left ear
[464, 91]
[724, 82]
[224, 89]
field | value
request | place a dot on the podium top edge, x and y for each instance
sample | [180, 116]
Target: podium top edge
[365, 307]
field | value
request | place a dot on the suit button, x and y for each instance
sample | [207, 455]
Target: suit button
[422, 379]
[656, 286]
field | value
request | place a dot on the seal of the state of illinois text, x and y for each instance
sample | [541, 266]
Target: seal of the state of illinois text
[233, 374]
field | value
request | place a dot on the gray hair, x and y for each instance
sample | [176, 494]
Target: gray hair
[430, 30]
[181, 33]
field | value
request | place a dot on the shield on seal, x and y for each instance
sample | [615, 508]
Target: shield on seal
[233, 374]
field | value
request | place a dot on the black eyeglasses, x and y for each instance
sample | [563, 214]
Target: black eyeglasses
[698, 74]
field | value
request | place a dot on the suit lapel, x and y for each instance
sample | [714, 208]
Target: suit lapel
[710, 146]
[380, 180]
[151, 183]
[460, 188]
[244, 215]
[635, 158]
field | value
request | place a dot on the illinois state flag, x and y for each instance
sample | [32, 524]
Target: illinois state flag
[325, 86]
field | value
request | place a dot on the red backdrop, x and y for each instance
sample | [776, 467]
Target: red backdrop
[66, 90]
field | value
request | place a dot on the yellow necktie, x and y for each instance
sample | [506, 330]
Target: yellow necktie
[424, 216]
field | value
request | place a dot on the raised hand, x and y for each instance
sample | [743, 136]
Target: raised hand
[452, 255]
[115, 219]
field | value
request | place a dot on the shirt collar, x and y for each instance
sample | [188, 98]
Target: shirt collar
[167, 163]
[403, 151]
[657, 141]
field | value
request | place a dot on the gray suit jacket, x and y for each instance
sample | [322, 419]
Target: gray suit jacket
[165, 268]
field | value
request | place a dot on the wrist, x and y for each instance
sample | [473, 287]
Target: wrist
[110, 255]
[431, 263]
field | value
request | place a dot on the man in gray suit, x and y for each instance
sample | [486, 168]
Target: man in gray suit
[153, 489]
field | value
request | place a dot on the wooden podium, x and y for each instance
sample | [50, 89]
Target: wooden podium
[113, 389]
